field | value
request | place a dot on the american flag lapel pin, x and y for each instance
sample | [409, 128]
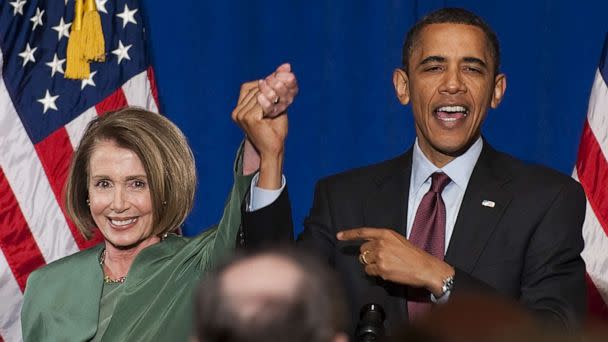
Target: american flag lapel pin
[489, 204]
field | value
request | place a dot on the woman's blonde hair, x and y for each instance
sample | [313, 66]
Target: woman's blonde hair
[164, 153]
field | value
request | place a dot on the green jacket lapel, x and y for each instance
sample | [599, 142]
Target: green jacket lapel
[65, 310]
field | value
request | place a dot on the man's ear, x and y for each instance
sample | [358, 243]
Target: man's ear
[402, 89]
[500, 86]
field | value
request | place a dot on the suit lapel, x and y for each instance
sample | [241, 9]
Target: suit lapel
[477, 219]
[386, 206]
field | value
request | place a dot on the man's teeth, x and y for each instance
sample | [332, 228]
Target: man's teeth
[123, 222]
[452, 109]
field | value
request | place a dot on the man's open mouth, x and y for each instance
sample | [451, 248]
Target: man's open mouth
[451, 113]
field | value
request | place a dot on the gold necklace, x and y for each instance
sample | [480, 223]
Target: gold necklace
[106, 278]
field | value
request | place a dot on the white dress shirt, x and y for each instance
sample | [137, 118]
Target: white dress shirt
[260, 198]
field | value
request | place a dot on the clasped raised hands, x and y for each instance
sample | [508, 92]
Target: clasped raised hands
[261, 112]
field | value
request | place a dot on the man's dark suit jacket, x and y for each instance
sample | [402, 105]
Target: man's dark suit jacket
[526, 247]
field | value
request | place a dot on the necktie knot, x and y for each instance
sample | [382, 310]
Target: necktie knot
[439, 181]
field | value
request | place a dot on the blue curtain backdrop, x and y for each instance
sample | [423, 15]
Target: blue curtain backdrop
[343, 53]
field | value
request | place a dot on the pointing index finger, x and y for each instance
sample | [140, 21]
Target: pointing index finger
[363, 233]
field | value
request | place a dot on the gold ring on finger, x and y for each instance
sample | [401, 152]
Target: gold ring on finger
[363, 259]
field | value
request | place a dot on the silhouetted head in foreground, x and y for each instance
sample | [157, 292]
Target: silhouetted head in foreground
[271, 295]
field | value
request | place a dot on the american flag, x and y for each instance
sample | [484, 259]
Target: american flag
[42, 118]
[592, 172]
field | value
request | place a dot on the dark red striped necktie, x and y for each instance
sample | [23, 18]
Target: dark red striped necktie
[428, 233]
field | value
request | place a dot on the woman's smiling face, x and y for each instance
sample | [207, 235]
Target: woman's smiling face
[119, 196]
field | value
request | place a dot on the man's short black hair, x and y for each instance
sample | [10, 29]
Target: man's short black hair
[316, 313]
[451, 16]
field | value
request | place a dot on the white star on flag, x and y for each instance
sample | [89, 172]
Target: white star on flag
[37, 18]
[48, 101]
[56, 65]
[127, 16]
[18, 7]
[62, 29]
[28, 54]
[122, 51]
[101, 6]
[88, 81]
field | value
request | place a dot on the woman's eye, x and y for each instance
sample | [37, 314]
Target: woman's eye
[138, 184]
[102, 184]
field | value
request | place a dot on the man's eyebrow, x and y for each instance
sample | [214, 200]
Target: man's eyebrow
[430, 59]
[440, 59]
[475, 60]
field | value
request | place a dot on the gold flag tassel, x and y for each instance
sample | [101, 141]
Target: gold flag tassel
[77, 67]
[94, 45]
[86, 43]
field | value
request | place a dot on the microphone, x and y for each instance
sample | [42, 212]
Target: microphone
[371, 317]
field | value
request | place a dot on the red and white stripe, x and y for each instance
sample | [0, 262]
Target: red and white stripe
[592, 172]
[33, 227]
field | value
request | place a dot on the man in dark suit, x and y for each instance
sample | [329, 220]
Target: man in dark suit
[452, 214]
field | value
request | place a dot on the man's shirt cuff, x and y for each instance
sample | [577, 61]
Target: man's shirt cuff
[260, 198]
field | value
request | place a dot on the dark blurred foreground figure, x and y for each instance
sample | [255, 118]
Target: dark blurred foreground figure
[475, 317]
[279, 295]
[451, 213]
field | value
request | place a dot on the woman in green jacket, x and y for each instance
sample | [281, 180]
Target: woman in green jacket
[133, 178]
